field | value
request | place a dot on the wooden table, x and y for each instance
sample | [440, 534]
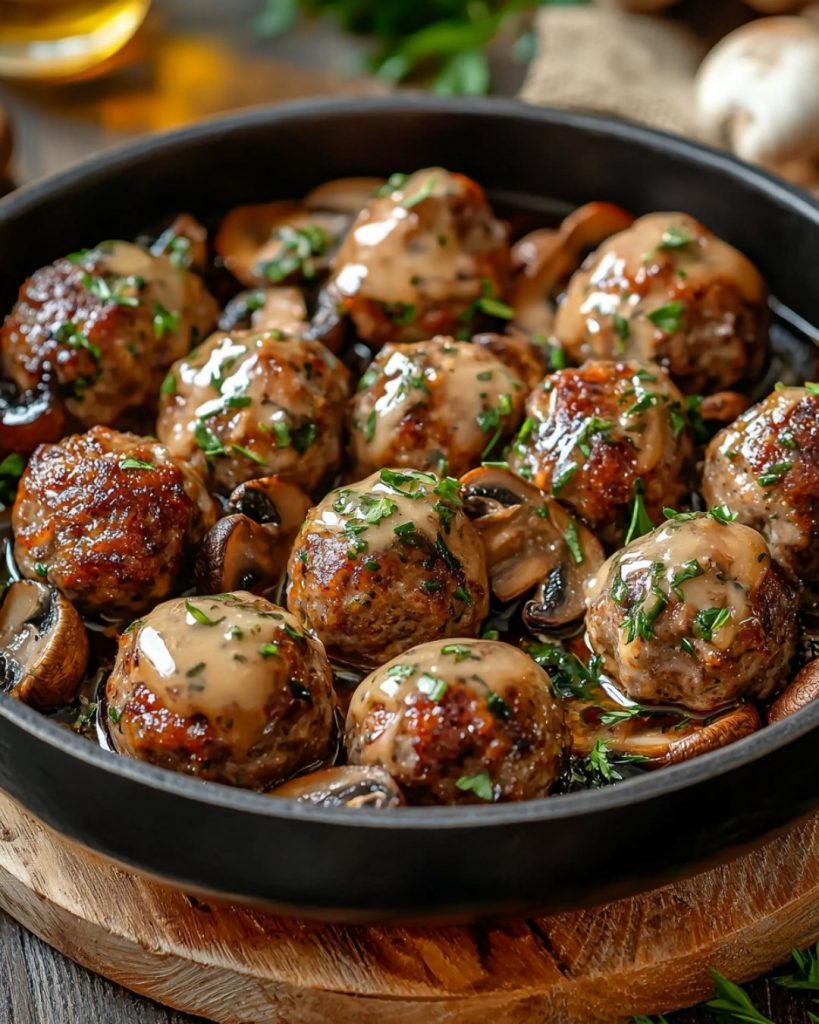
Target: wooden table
[193, 58]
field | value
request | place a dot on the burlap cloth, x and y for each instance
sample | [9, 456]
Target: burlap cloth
[637, 66]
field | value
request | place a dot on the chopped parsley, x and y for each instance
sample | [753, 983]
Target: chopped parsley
[773, 474]
[709, 621]
[432, 686]
[163, 320]
[129, 462]
[168, 385]
[640, 523]
[479, 784]
[201, 617]
[424, 193]
[594, 425]
[298, 250]
[69, 333]
[572, 539]
[668, 318]
[675, 237]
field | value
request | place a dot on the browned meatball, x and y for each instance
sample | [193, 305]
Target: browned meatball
[387, 563]
[460, 721]
[247, 405]
[227, 688]
[423, 258]
[438, 404]
[104, 325]
[112, 520]
[695, 613]
[765, 467]
[668, 289]
[603, 437]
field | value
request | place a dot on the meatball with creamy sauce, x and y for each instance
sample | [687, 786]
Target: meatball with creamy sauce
[228, 688]
[425, 256]
[694, 614]
[102, 326]
[667, 289]
[247, 405]
[604, 437]
[460, 721]
[765, 467]
[112, 520]
[439, 404]
[386, 563]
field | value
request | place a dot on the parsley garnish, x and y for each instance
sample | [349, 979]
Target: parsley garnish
[773, 474]
[708, 621]
[424, 193]
[168, 385]
[460, 652]
[11, 469]
[201, 617]
[640, 523]
[163, 320]
[69, 334]
[208, 441]
[593, 425]
[559, 480]
[668, 318]
[299, 247]
[733, 1003]
[675, 238]
[129, 462]
[572, 538]
[480, 785]
[432, 686]
[689, 571]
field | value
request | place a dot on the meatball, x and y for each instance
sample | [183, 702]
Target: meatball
[460, 722]
[695, 613]
[227, 688]
[104, 325]
[247, 405]
[604, 438]
[387, 563]
[441, 404]
[112, 520]
[765, 467]
[669, 290]
[424, 257]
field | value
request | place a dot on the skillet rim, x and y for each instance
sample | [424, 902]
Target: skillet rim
[635, 791]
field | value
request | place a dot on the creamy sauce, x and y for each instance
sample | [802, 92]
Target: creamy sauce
[398, 248]
[398, 509]
[226, 670]
[164, 283]
[445, 383]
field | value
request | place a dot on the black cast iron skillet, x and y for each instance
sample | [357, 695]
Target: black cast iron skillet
[417, 863]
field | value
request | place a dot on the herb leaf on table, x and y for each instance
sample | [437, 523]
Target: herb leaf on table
[438, 43]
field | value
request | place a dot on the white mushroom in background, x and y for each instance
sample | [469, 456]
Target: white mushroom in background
[758, 91]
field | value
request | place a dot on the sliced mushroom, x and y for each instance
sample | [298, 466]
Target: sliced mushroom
[345, 786]
[272, 243]
[238, 554]
[546, 257]
[272, 500]
[525, 536]
[29, 419]
[43, 645]
[185, 241]
[266, 309]
[801, 691]
[343, 195]
[662, 738]
[248, 550]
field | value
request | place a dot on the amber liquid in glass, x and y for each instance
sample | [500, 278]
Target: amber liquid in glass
[53, 39]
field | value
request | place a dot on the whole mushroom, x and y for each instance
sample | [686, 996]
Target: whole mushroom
[757, 90]
[43, 645]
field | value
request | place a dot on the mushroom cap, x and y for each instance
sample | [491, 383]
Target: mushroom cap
[43, 645]
[349, 785]
[801, 691]
[757, 90]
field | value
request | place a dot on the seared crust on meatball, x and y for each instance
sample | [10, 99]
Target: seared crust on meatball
[387, 563]
[460, 721]
[439, 404]
[112, 520]
[102, 327]
[765, 467]
[420, 259]
[599, 436]
[695, 614]
[669, 290]
[227, 688]
[247, 405]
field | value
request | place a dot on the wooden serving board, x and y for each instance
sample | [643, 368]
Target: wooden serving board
[234, 965]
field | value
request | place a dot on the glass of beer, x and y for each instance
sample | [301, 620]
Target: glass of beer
[57, 39]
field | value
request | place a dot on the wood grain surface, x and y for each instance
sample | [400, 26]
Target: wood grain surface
[236, 965]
